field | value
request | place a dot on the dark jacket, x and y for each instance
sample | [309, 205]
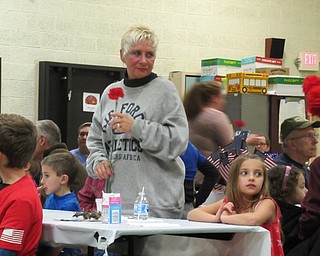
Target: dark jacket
[310, 218]
[290, 215]
[284, 159]
[195, 161]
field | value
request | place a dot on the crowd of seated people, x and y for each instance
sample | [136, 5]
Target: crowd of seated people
[287, 185]
[288, 182]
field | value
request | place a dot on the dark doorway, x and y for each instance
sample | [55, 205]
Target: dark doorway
[61, 92]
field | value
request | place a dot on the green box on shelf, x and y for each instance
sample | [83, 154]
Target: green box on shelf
[219, 67]
[285, 80]
[285, 85]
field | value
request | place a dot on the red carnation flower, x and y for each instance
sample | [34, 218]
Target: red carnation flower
[309, 82]
[115, 93]
[313, 101]
[239, 123]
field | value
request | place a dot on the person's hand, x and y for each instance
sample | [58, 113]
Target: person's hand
[121, 122]
[103, 170]
[225, 209]
[254, 139]
[40, 188]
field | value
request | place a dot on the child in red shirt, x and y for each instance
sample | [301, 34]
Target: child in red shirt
[20, 208]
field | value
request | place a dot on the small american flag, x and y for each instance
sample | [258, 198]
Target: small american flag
[224, 157]
[267, 160]
[13, 236]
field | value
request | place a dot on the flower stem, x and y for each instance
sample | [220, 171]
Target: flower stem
[108, 184]
[111, 178]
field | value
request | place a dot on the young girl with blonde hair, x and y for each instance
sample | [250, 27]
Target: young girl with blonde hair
[247, 201]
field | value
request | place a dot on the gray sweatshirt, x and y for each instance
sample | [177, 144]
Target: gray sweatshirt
[148, 156]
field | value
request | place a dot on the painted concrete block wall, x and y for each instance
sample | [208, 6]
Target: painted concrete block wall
[89, 32]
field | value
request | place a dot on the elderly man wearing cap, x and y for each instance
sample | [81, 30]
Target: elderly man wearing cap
[299, 140]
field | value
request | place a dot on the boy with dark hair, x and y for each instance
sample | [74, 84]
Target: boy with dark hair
[20, 207]
[58, 172]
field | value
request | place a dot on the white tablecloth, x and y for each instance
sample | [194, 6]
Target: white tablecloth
[60, 229]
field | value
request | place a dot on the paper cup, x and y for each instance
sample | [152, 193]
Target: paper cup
[99, 204]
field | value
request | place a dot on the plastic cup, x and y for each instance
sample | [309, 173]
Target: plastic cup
[99, 204]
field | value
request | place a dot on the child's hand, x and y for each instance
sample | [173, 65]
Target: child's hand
[228, 209]
[225, 209]
[40, 188]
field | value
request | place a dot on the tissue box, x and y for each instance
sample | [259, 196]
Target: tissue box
[219, 67]
[285, 85]
[252, 63]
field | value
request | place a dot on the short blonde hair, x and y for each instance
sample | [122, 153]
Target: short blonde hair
[136, 34]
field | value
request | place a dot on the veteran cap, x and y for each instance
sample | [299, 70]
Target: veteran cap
[296, 123]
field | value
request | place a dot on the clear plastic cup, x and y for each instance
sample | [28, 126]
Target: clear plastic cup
[99, 204]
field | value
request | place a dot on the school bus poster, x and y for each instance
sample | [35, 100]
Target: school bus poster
[244, 82]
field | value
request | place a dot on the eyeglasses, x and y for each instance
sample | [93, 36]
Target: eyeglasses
[261, 144]
[307, 136]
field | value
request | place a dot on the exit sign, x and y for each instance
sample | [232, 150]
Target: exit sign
[309, 61]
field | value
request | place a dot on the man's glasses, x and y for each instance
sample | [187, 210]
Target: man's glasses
[309, 136]
[261, 144]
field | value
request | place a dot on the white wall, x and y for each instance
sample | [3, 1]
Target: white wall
[89, 32]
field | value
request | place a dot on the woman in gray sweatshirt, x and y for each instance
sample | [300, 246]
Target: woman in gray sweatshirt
[149, 129]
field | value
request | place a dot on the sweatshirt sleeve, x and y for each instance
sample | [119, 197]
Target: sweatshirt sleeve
[86, 196]
[167, 136]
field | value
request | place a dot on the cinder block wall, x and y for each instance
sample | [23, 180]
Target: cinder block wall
[89, 32]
